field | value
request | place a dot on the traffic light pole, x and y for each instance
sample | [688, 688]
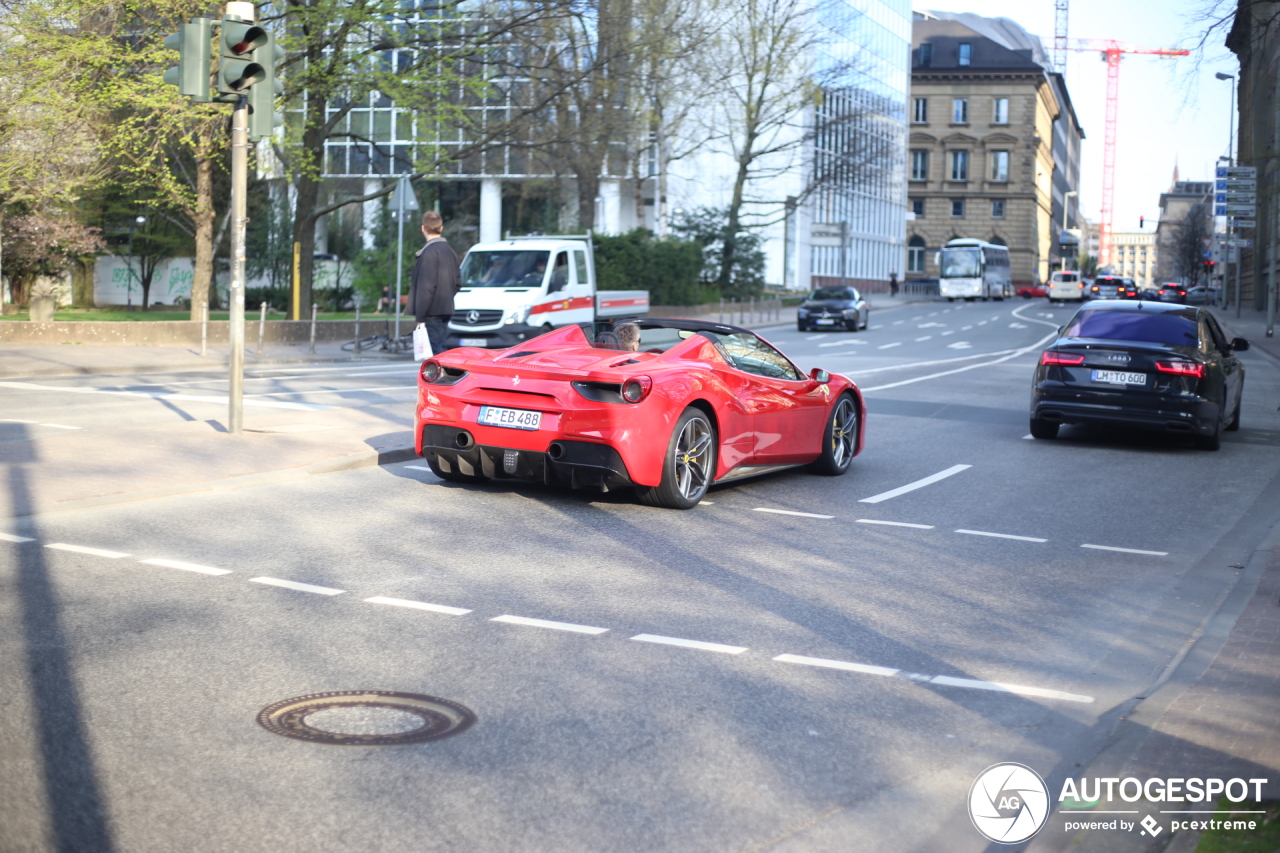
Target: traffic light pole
[239, 217]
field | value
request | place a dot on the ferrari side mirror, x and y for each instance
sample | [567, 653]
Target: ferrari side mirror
[820, 376]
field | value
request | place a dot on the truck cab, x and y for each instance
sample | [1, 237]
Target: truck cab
[517, 289]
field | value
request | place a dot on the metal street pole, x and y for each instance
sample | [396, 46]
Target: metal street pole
[844, 252]
[399, 256]
[239, 217]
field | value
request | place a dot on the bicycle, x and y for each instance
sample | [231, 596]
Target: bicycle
[381, 342]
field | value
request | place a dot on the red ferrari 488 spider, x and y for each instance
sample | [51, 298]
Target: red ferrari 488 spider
[699, 403]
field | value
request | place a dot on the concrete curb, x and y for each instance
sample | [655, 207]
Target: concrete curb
[363, 459]
[118, 370]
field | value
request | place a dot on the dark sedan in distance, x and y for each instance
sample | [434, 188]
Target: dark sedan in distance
[1141, 364]
[834, 308]
[1172, 292]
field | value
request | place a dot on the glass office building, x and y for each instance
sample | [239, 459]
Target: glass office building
[861, 160]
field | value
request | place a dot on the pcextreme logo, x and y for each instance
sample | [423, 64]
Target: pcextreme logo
[1008, 803]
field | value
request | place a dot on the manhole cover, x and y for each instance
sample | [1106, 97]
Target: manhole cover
[365, 718]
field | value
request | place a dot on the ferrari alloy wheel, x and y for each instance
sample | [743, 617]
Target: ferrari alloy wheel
[689, 465]
[840, 440]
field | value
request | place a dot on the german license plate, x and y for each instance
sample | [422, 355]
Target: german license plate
[472, 342]
[1119, 377]
[510, 418]
[826, 322]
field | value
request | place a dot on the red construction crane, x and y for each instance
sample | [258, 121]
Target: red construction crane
[1111, 51]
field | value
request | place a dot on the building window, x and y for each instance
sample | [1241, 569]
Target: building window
[915, 255]
[919, 165]
[1001, 115]
[926, 55]
[997, 208]
[921, 114]
[959, 165]
[1000, 165]
[960, 111]
[957, 208]
[917, 207]
[966, 52]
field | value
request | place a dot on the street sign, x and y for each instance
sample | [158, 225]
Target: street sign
[1242, 198]
[1237, 184]
[1239, 209]
[827, 234]
[1244, 223]
[404, 198]
[1237, 172]
[1241, 242]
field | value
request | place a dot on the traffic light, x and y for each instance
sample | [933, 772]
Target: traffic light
[238, 65]
[1208, 267]
[1142, 220]
[191, 74]
[263, 118]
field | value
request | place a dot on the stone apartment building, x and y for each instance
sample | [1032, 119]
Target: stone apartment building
[1134, 255]
[994, 144]
[1184, 201]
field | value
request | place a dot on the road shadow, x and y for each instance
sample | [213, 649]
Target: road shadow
[77, 816]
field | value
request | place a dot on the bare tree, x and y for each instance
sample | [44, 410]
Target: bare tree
[1193, 232]
[781, 101]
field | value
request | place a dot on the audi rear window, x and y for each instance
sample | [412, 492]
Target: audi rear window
[1171, 329]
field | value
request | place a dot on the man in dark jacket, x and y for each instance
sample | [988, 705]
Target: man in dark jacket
[435, 281]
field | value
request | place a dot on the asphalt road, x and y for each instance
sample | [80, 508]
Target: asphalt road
[799, 664]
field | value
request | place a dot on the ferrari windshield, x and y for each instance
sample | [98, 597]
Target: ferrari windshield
[522, 268]
[961, 263]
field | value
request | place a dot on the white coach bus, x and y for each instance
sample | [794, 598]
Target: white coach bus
[974, 269]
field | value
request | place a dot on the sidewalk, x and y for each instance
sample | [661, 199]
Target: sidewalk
[1252, 326]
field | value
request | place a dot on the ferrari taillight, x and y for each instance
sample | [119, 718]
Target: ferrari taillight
[1051, 357]
[430, 371]
[1181, 368]
[636, 388]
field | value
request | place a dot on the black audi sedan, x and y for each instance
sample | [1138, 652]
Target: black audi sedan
[834, 308]
[1142, 364]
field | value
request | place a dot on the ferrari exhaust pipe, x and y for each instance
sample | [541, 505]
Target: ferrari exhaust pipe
[464, 440]
[556, 450]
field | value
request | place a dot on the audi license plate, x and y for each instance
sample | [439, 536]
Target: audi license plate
[826, 322]
[510, 418]
[472, 342]
[1119, 377]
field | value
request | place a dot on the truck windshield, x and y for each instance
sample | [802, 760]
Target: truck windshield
[504, 269]
[961, 263]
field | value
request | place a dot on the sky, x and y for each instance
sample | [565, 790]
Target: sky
[1169, 109]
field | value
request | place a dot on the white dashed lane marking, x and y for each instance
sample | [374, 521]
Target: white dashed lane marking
[1001, 535]
[689, 644]
[81, 549]
[947, 680]
[890, 346]
[10, 537]
[186, 567]
[1127, 550]
[555, 626]
[918, 484]
[895, 523]
[418, 605]
[300, 587]
[925, 338]
[843, 343]
[791, 512]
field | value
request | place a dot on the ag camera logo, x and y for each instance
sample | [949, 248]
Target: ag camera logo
[1008, 803]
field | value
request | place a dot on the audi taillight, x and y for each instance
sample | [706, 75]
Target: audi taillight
[636, 388]
[1181, 368]
[1052, 357]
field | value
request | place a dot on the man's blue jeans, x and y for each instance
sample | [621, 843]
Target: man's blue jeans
[437, 331]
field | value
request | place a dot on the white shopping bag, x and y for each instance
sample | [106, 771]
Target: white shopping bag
[421, 343]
